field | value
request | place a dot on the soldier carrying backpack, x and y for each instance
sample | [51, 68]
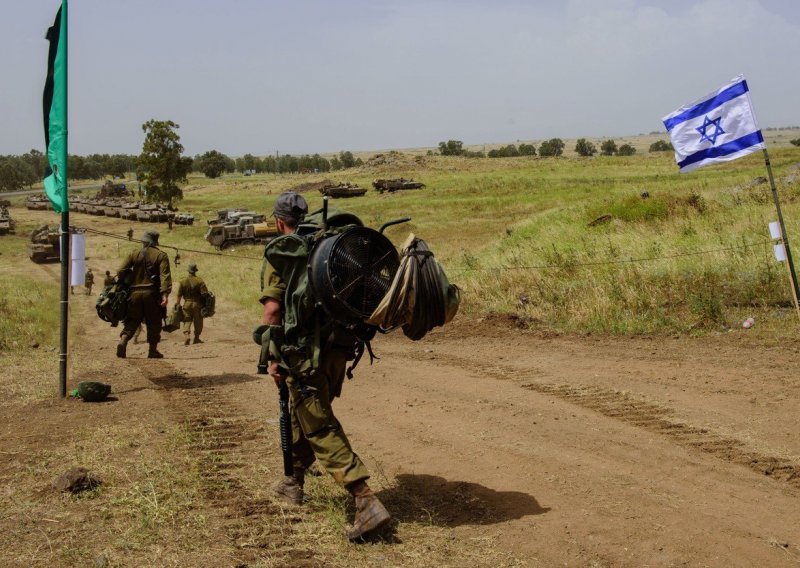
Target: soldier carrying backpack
[304, 350]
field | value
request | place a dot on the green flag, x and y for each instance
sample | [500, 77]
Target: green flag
[55, 112]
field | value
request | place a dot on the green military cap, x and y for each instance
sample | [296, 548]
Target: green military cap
[290, 205]
[192, 268]
[151, 237]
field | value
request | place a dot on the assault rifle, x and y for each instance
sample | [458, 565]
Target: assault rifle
[285, 423]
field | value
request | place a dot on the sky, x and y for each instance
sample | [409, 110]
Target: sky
[260, 76]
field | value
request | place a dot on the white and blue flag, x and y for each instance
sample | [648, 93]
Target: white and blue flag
[716, 128]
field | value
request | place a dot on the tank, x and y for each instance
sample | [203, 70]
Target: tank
[391, 185]
[342, 190]
[111, 189]
[37, 202]
[44, 246]
[7, 224]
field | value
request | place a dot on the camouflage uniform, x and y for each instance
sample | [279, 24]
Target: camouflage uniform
[192, 289]
[151, 279]
[88, 279]
[316, 433]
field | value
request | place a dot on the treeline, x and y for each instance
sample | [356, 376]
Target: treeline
[20, 171]
[548, 148]
[213, 163]
[17, 172]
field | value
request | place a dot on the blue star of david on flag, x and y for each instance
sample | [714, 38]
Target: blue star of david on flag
[714, 144]
[703, 130]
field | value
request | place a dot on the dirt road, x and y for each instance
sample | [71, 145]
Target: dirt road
[557, 451]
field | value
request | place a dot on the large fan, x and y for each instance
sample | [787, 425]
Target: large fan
[351, 272]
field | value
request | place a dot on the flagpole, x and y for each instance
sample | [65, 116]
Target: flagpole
[784, 237]
[65, 240]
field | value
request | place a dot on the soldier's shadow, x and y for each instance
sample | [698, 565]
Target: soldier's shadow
[182, 382]
[435, 500]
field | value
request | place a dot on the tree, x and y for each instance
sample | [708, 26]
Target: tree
[626, 150]
[451, 148]
[527, 150]
[347, 160]
[10, 178]
[335, 164]
[161, 165]
[212, 163]
[608, 148]
[249, 162]
[552, 147]
[795, 142]
[585, 148]
[660, 146]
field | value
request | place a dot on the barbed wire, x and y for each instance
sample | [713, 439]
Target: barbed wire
[164, 245]
[462, 270]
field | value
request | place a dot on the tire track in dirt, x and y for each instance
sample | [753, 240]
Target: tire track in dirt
[648, 415]
[219, 434]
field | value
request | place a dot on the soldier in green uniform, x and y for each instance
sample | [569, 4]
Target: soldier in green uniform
[108, 280]
[192, 290]
[88, 281]
[151, 284]
[317, 434]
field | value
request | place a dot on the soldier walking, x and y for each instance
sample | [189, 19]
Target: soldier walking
[130, 233]
[108, 280]
[316, 433]
[88, 279]
[151, 284]
[192, 290]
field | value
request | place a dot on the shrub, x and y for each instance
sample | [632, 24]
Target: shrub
[796, 141]
[608, 148]
[661, 146]
[585, 148]
[552, 147]
[626, 150]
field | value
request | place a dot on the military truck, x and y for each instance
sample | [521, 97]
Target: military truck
[45, 245]
[245, 232]
[391, 185]
[7, 224]
[232, 216]
[342, 190]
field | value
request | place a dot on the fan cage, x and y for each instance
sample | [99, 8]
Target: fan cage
[360, 265]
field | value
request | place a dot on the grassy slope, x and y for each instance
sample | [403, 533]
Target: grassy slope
[492, 221]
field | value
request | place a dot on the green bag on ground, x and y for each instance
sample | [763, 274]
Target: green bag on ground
[91, 391]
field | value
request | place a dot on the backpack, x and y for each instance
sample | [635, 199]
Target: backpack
[112, 304]
[209, 305]
[308, 330]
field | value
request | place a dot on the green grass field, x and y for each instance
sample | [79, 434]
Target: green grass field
[515, 234]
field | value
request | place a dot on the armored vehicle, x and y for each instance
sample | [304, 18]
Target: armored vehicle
[342, 190]
[151, 212]
[184, 219]
[246, 232]
[232, 216]
[45, 245]
[391, 185]
[37, 202]
[7, 224]
[111, 189]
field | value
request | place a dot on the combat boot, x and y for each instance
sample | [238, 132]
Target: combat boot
[153, 352]
[188, 340]
[197, 340]
[122, 346]
[371, 515]
[290, 489]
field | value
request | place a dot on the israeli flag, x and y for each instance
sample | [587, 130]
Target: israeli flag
[717, 128]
